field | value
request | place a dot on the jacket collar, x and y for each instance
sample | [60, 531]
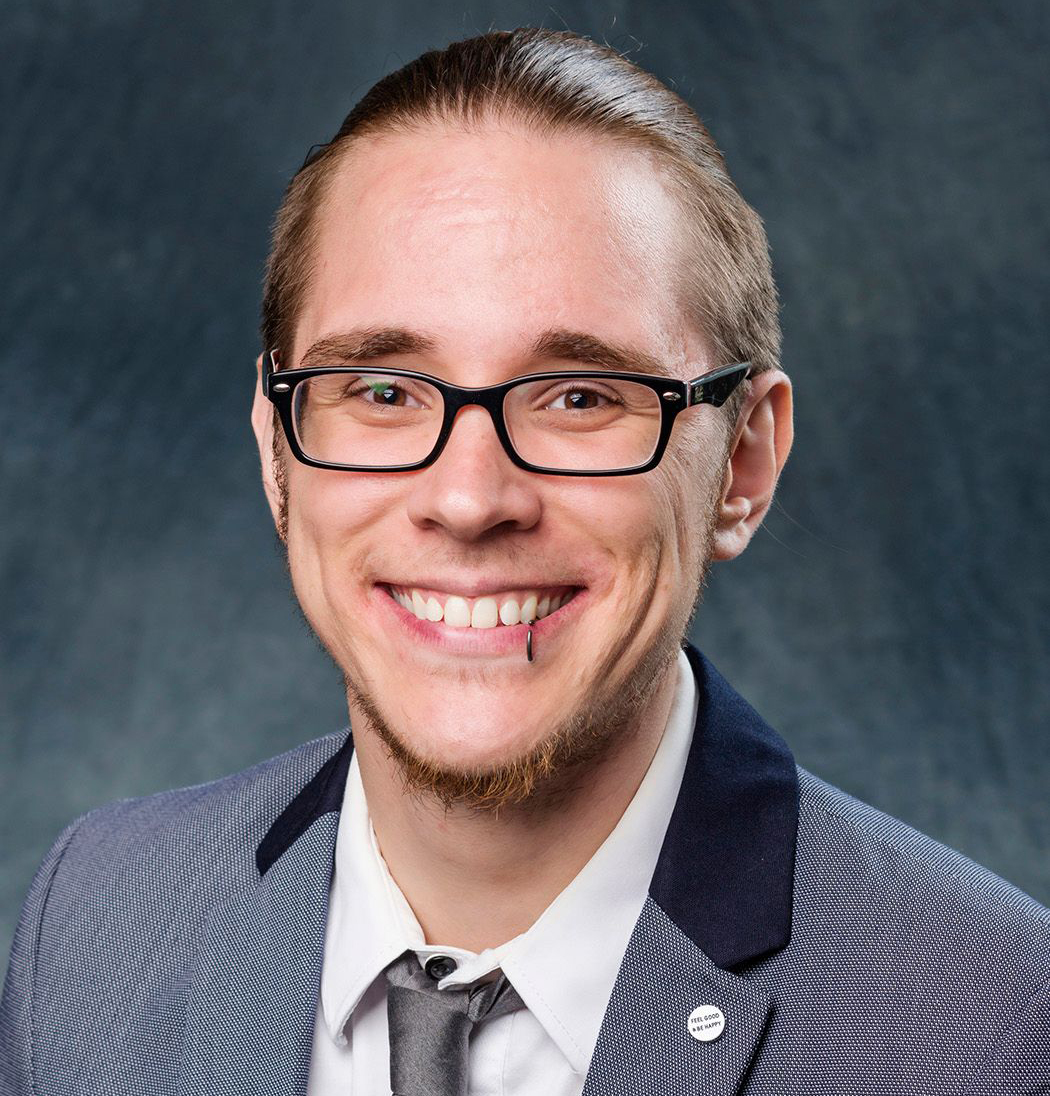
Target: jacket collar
[726, 871]
[726, 868]
[322, 795]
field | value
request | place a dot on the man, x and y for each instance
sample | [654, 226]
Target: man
[520, 388]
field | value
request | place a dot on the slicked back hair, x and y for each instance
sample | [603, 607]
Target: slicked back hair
[556, 82]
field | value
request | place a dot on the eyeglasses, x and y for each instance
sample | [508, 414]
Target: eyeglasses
[583, 423]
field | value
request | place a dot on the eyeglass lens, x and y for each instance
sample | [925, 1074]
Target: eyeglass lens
[568, 423]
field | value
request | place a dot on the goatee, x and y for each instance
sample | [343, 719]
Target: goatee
[602, 722]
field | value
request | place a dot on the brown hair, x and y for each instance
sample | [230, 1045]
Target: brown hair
[557, 81]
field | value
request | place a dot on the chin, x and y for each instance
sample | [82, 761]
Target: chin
[477, 746]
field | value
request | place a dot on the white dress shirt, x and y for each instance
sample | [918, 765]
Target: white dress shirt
[563, 966]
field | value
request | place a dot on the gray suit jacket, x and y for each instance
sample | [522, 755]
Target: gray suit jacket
[173, 944]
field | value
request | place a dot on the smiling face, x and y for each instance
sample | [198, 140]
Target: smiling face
[477, 257]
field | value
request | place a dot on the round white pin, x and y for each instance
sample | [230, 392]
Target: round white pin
[706, 1022]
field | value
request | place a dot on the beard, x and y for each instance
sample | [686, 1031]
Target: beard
[549, 771]
[604, 719]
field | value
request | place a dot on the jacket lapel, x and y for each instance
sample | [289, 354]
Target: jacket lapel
[720, 898]
[255, 985]
[645, 1044]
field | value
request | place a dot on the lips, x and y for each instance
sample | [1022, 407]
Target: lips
[506, 607]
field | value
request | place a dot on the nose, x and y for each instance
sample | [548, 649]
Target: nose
[473, 489]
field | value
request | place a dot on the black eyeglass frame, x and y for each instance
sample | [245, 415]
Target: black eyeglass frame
[713, 387]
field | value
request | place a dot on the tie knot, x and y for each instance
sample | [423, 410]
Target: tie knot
[477, 1002]
[430, 1027]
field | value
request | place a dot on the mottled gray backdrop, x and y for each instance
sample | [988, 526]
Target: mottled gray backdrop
[890, 618]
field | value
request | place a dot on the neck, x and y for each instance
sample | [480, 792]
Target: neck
[475, 879]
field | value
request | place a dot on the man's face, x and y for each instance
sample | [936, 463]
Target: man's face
[482, 243]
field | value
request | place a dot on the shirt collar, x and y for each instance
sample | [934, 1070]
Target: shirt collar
[565, 964]
[370, 923]
[726, 868]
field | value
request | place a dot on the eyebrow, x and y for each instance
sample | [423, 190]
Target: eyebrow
[366, 344]
[371, 343]
[576, 346]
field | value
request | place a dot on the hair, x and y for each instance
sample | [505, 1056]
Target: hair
[557, 82]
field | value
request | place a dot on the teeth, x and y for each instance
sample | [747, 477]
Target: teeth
[457, 612]
[528, 608]
[485, 612]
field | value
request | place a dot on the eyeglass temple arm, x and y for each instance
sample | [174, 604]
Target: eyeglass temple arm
[715, 388]
[269, 368]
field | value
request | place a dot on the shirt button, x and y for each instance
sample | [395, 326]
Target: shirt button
[438, 966]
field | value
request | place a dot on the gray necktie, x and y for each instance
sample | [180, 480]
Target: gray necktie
[430, 1028]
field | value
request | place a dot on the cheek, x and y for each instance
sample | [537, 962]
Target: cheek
[630, 522]
[334, 517]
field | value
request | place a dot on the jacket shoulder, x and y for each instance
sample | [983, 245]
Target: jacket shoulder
[893, 851]
[165, 859]
[111, 922]
[907, 960]
[214, 826]
[881, 904]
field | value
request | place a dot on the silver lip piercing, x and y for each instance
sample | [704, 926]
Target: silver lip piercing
[528, 641]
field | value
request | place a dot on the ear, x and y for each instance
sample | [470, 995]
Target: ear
[262, 425]
[760, 446]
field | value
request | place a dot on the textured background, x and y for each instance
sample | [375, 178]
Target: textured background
[890, 618]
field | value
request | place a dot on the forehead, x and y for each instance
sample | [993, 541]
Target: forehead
[495, 230]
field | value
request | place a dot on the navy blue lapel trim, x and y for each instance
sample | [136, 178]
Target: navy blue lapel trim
[725, 875]
[726, 870]
[322, 794]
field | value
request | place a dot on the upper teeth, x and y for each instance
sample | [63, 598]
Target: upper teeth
[482, 612]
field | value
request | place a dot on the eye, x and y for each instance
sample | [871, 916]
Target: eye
[381, 392]
[580, 398]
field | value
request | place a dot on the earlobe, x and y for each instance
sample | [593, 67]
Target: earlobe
[761, 443]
